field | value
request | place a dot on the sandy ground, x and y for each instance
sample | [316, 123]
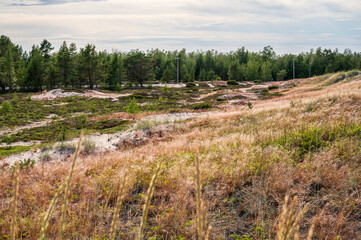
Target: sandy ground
[59, 93]
[106, 142]
[169, 85]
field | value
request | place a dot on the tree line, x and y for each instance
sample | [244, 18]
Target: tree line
[43, 68]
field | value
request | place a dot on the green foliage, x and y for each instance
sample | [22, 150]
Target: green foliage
[88, 67]
[311, 139]
[89, 146]
[281, 75]
[250, 105]
[203, 75]
[165, 89]
[24, 164]
[204, 105]
[139, 67]
[272, 87]
[6, 151]
[190, 84]
[6, 107]
[232, 82]
[133, 106]
[118, 87]
[352, 74]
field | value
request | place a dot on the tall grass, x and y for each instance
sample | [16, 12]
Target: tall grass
[202, 228]
[14, 209]
[65, 185]
[114, 225]
[147, 203]
[289, 224]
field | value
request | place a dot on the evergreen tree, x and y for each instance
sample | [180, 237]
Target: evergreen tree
[64, 65]
[139, 67]
[35, 71]
[89, 65]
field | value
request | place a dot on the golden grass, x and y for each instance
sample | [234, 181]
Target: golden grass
[289, 224]
[147, 203]
[14, 201]
[244, 176]
[65, 185]
[114, 225]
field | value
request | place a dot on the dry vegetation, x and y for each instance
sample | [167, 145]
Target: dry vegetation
[304, 144]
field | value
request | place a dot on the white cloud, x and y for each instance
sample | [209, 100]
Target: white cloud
[197, 24]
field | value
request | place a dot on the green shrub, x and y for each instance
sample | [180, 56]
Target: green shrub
[273, 87]
[190, 84]
[232, 82]
[89, 146]
[133, 106]
[26, 163]
[250, 105]
[165, 89]
[129, 85]
[6, 106]
[7, 151]
[281, 75]
[338, 78]
[352, 74]
[313, 138]
[264, 92]
[118, 87]
[204, 105]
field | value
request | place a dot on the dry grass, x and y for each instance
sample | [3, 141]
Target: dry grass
[65, 185]
[114, 225]
[147, 203]
[250, 159]
[14, 202]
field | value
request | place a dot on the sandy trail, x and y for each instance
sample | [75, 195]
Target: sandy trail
[59, 93]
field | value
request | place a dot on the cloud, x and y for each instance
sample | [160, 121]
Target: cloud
[48, 2]
[196, 24]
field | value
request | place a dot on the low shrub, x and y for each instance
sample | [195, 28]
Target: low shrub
[353, 73]
[190, 84]
[273, 87]
[204, 105]
[6, 107]
[232, 82]
[118, 87]
[133, 107]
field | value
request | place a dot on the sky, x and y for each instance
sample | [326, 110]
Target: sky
[289, 26]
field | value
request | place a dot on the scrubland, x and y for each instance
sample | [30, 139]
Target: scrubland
[303, 142]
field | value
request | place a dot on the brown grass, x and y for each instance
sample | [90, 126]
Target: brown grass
[14, 202]
[245, 176]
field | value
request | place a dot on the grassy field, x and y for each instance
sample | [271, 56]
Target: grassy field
[221, 176]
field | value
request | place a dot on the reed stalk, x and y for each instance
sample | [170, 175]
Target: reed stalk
[200, 226]
[147, 203]
[114, 225]
[65, 185]
[14, 201]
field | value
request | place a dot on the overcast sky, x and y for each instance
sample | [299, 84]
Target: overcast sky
[289, 26]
